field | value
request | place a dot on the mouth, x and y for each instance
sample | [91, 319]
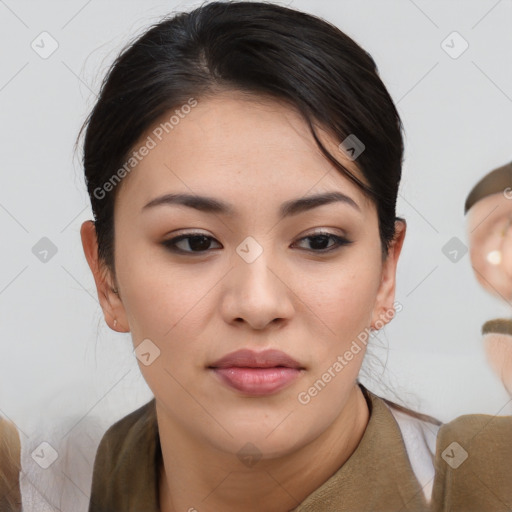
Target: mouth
[257, 373]
[246, 358]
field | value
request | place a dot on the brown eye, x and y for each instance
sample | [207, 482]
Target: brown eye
[319, 242]
[199, 243]
[195, 242]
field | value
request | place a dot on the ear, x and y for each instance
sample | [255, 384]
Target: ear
[386, 292]
[110, 302]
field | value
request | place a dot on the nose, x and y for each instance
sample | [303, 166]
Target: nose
[258, 293]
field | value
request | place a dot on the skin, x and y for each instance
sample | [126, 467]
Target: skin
[254, 154]
[498, 349]
[490, 230]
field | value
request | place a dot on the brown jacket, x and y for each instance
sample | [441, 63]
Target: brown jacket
[473, 468]
[474, 465]
[378, 475]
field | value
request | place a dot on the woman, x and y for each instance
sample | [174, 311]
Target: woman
[243, 163]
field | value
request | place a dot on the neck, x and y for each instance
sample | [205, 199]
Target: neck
[196, 477]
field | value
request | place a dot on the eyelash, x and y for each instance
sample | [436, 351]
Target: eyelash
[171, 243]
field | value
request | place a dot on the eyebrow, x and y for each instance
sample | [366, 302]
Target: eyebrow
[287, 209]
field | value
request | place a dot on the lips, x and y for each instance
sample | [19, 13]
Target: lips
[257, 373]
[250, 359]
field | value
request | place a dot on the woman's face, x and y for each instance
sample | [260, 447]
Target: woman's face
[259, 279]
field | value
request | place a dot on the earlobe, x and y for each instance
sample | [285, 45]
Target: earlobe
[108, 295]
[384, 305]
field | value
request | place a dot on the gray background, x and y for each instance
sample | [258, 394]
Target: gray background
[58, 355]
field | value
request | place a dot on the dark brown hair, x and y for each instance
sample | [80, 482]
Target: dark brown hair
[255, 47]
[258, 48]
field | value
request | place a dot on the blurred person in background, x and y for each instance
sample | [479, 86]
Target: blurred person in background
[10, 499]
[489, 222]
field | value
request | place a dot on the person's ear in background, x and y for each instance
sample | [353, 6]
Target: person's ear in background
[489, 214]
[10, 499]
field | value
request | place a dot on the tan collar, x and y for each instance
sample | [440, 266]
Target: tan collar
[377, 476]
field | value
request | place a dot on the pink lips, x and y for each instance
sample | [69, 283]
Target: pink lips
[257, 373]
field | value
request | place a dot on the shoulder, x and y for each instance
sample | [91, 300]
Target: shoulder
[125, 430]
[58, 457]
[474, 464]
[125, 466]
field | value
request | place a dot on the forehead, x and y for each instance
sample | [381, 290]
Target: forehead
[240, 145]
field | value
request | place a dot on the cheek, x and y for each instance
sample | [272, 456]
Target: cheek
[340, 305]
[160, 299]
[167, 306]
[172, 303]
[343, 296]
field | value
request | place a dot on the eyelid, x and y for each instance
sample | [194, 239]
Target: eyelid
[340, 241]
[325, 231]
[317, 232]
